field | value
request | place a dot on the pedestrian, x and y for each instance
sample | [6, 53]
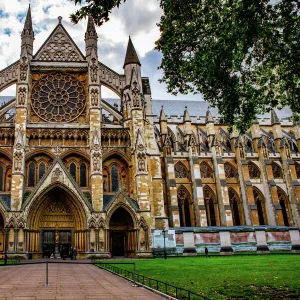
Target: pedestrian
[206, 251]
[74, 253]
[71, 253]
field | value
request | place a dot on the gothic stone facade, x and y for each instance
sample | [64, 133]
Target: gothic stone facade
[76, 170]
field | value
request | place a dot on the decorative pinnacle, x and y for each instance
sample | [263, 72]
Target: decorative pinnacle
[131, 56]
[59, 19]
[28, 21]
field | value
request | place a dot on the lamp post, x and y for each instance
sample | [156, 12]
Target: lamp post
[165, 251]
[6, 244]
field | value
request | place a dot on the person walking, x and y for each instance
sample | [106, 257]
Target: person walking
[206, 251]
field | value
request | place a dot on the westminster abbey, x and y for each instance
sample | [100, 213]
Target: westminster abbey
[107, 175]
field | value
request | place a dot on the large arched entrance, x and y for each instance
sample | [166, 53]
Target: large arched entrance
[56, 223]
[122, 233]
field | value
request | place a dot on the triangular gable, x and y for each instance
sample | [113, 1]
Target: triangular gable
[59, 47]
[57, 173]
[121, 197]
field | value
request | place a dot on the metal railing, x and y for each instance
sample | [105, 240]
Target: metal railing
[163, 287]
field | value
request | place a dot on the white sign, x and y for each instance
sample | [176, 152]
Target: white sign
[160, 237]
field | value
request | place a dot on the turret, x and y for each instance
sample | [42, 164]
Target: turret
[91, 38]
[132, 62]
[187, 122]
[27, 35]
[209, 122]
[163, 122]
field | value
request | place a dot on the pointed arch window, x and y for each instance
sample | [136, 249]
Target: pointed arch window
[260, 204]
[185, 207]
[114, 178]
[31, 174]
[180, 171]
[210, 206]
[206, 171]
[230, 171]
[254, 171]
[1, 178]
[277, 171]
[284, 203]
[83, 175]
[42, 170]
[234, 200]
[73, 170]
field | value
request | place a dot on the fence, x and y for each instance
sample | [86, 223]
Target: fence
[163, 287]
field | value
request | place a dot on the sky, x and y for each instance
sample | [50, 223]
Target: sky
[137, 18]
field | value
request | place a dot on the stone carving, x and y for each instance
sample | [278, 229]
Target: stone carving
[140, 153]
[94, 70]
[9, 75]
[97, 159]
[23, 69]
[18, 156]
[57, 172]
[21, 95]
[19, 140]
[94, 97]
[59, 47]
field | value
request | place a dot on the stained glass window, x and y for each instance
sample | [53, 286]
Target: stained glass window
[283, 201]
[114, 178]
[254, 171]
[1, 178]
[184, 206]
[205, 170]
[180, 171]
[42, 169]
[73, 170]
[277, 171]
[83, 175]
[234, 200]
[209, 199]
[31, 174]
[230, 171]
[259, 200]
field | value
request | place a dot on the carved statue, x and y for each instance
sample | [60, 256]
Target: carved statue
[97, 162]
[94, 70]
[22, 95]
[18, 161]
[105, 186]
[94, 97]
[23, 69]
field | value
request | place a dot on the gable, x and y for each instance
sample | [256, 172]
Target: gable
[59, 47]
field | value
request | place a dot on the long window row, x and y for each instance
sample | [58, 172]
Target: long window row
[187, 213]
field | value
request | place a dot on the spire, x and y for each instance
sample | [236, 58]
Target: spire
[274, 117]
[162, 116]
[208, 118]
[90, 30]
[186, 115]
[27, 35]
[131, 56]
[28, 22]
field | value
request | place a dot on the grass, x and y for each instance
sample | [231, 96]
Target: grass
[240, 277]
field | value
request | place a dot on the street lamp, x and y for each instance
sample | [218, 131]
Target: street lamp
[165, 232]
[6, 244]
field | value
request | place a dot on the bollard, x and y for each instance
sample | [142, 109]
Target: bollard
[134, 275]
[46, 274]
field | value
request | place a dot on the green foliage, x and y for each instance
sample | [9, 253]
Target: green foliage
[242, 55]
[98, 9]
[229, 277]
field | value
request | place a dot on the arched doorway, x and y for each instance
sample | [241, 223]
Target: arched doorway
[56, 223]
[122, 233]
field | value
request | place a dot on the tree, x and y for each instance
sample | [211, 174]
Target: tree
[242, 55]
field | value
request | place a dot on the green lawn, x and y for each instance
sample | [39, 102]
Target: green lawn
[240, 277]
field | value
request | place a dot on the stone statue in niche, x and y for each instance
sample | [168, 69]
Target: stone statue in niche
[94, 70]
[18, 160]
[94, 97]
[22, 95]
[141, 162]
[105, 185]
[23, 69]
[97, 162]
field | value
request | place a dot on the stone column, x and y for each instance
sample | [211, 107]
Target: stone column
[295, 240]
[226, 247]
[189, 244]
[261, 241]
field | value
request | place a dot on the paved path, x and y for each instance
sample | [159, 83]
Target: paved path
[66, 282]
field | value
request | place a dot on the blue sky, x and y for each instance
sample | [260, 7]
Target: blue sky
[136, 18]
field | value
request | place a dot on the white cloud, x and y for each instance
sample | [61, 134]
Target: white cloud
[136, 18]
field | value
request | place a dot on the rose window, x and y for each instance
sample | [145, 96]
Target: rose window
[58, 98]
